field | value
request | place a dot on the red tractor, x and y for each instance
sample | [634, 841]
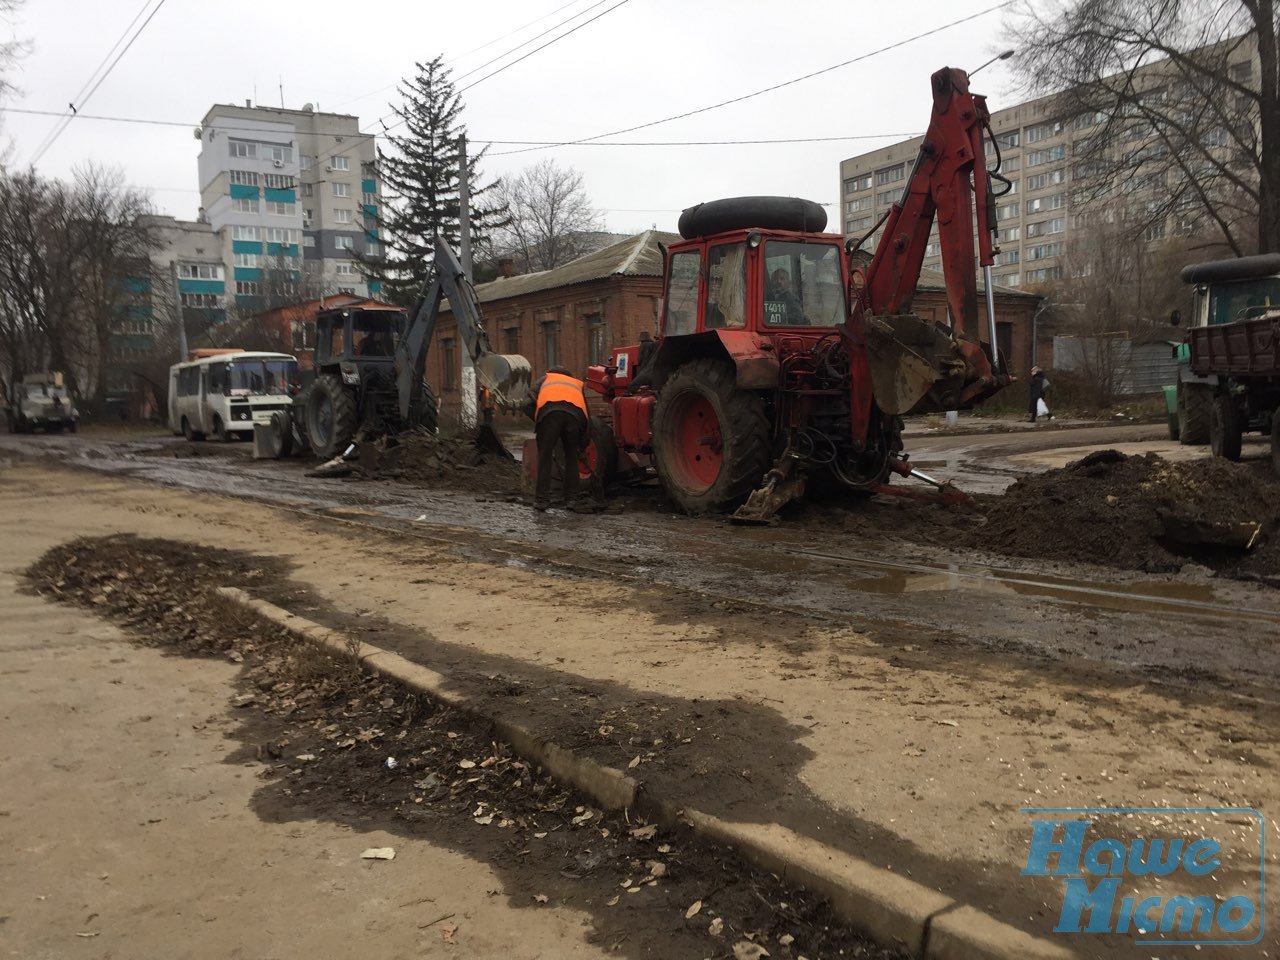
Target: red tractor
[786, 353]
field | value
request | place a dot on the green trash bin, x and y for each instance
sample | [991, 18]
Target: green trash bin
[1171, 405]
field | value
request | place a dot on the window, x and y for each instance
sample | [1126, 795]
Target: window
[1007, 140]
[1043, 251]
[248, 288]
[341, 216]
[200, 299]
[278, 181]
[1045, 227]
[803, 285]
[309, 241]
[1091, 119]
[890, 175]
[682, 293]
[1010, 164]
[1044, 274]
[305, 162]
[853, 206]
[245, 178]
[726, 304]
[340, 163]
[1154, 232]
[308, 189]
[854, 184]
[1006, 211]
[200, 271]
[245, 204]
[1009, 257]
[369, 170]
[1037, 157]
[242, 148]
[1042, 131]
[345, 269]
[1054, 202]
[551, 342]
[1013, 189]
[858, 225]
[246, 259]
[277, 152]
[1241, 72]
[344, 243]
[597, 339]
[511, 340]
[372, 249]
[1009, 234]
[1009, 279]
[281, 235]
[369, 199]
[449, 363]
[278, 209]
[342, 189]
[889, 196]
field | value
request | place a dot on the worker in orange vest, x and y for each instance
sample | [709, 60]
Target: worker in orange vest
[561, 422]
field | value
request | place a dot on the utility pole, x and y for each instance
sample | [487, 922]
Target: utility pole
[179, 320]
[468, 377]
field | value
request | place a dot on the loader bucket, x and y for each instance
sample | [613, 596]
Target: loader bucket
[507, 376]
[920, 366]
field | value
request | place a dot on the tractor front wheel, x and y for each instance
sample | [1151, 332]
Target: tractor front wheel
[1195, 402]
[331, 417]
[710, 439]
[1225, 427]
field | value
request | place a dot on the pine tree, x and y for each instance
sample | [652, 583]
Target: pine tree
[420, 174]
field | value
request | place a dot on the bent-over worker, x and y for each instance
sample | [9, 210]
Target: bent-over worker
[561, 422]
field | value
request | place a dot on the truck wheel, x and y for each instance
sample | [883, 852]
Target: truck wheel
[710, 439]
[1275, 441]
[331, 417]
[1195, 402]
[1225, 428]
[190, 432]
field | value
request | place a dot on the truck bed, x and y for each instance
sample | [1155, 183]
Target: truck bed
[1245, 348]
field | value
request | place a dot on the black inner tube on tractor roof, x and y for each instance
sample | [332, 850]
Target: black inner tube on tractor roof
[743, 213]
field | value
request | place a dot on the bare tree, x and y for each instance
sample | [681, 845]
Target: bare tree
[550, 217]
[1176, 104]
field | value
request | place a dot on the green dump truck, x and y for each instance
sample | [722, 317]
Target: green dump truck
[1226, 292]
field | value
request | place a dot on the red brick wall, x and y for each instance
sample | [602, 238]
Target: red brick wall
[1009, 309]
[626, 306]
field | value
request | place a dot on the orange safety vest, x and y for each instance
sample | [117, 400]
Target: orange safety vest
[558, 388]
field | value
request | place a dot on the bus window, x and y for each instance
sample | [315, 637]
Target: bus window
[219, 378]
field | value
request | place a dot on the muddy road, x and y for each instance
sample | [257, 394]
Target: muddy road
[884, 562]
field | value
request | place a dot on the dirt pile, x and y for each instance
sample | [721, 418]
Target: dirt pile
[431, 460]
[345, 746]
[1134, 511]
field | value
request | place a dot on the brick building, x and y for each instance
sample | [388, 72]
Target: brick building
[572, 316]
[576, 314]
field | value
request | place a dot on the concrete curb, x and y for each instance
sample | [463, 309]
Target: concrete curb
[890, 908]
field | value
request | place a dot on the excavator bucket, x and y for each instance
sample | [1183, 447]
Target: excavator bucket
[920, 366]
[507, 376]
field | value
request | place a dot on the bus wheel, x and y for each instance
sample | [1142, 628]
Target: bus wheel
[189, 432]
[220, 431]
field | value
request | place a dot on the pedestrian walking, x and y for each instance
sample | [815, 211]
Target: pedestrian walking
[1039, 388]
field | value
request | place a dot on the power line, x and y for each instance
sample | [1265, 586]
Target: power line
[66, 114]
[900, 135]
[770, 89]
[547, 44]
[92, 90]
[525, 43]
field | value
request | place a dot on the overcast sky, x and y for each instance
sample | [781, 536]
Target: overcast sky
[645, 60]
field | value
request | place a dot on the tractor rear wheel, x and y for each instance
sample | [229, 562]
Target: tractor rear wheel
[1195, 402]
[710, 439]
[330, 417]
[1225, 428]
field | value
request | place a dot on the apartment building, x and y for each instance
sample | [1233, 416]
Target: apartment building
[292, 194]
[1051, 184]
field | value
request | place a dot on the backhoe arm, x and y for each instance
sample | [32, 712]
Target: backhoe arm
[506, 377]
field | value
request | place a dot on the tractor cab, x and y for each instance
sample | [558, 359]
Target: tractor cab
[755, 280]
[357, 335]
